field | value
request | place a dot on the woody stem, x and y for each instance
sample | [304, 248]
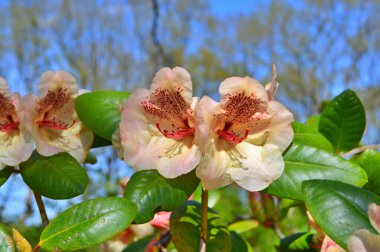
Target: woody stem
[41, 208]
[204, 213]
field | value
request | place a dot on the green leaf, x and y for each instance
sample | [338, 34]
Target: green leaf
[239, 244]
[339, 209]
[185, 229]
[139, 245]
[243, 226]
[308, 136]
[100, 111]
[100, 142]
[5, 174]
[305, 163]
[6, 242]
[57, 177]
[88, 223]
[153, 193]
[298, 243]
[313, 122]
[343, 121]
[370, 162]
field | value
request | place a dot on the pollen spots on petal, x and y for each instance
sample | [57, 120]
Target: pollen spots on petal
[8, 117]
[171, 113]
[240, 106]
[54, 100]
[55, 110]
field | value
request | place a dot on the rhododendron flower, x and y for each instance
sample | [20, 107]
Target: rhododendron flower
[364, 241]
[242, 137]
[157, 128]
[16, 144]
[52, 119]
[329, 245]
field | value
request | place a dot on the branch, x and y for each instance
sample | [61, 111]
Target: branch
[160, 52]
[41, 208]
[360, 149]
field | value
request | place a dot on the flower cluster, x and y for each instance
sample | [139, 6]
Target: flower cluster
[48, 121]
[239, 139]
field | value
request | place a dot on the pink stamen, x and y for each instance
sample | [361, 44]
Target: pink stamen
[8, 127]
[55, 125]
[232, 137]
[177, 135]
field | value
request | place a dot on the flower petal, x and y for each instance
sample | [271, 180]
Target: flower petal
[279, 131]
[374, 216]
[255, 167]
[17, 145]
[204, 117]
[363, 241]
[211, 170]
[172, 79]
[4, 88]
[51, 81]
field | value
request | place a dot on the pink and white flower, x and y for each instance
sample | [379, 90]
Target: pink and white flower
[52, 120]
[364, 241]
[157, 128]
[16, 144]
[242, 137]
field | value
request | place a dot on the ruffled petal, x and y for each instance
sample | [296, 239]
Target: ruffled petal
[279, 131]
[53, 80]
[204, 117]
[245, 86]
[255, 167]
[16, 145]
[374, 216]
[173, 79]
[363, 241]
[212, 168]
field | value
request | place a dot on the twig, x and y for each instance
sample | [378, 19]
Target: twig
[41, 208]
[360, 149]
[160, 51]
[204, 213]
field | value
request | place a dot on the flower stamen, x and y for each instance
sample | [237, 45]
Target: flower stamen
[231, 136]
[177, 135]
[53, 124]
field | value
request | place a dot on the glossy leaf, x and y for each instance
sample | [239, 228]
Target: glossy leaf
[308, 136]
[343, 121]
[305, 163]
[313, 122]
[56, 177]
[6, 242]
[185, 229]
[88, 223]
[243, 226]
[338, 208]
[239, 244]
[370, 162]
[5, 174]
[100, 111]
[302, 242]
[153, 193]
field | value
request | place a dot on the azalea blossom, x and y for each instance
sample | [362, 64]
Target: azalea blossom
[157, 129]
[364, 241]
[16, 144]
[52, 120]
[242, 137]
